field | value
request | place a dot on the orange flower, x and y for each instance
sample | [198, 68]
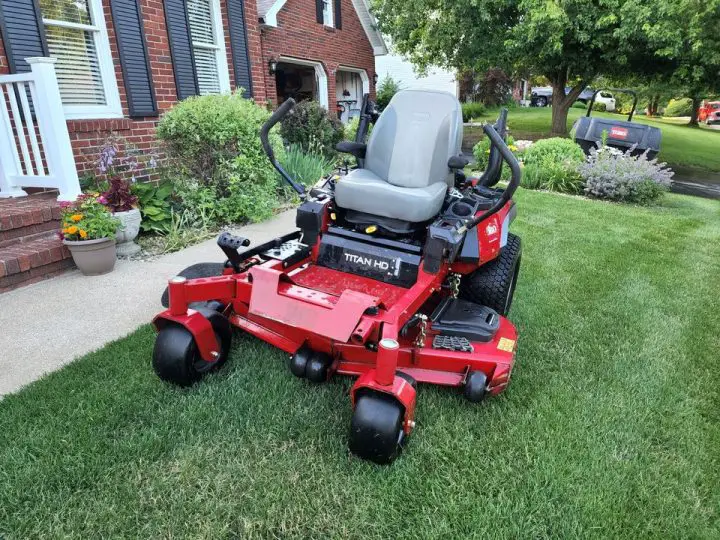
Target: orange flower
[76, 217]
[83, 234]
[72, 229]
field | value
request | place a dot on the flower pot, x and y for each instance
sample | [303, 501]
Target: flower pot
[93, 257]
[127, 232]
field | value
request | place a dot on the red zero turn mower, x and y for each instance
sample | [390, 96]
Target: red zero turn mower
[402, 271]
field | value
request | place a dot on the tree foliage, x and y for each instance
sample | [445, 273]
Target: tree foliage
[569, 42]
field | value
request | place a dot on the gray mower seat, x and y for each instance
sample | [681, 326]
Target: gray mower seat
[406, 172]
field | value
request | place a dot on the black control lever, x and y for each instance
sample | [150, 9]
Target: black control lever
[515, 175]
[278, 115]
[230, 244]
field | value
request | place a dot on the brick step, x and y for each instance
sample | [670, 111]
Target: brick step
[25, 218]
[33, 260]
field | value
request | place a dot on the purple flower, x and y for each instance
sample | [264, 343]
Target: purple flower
[102, 200]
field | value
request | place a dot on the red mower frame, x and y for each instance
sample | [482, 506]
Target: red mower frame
[357, 324]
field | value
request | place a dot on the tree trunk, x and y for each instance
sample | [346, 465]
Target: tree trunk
[695, 111]
[561, 105]
[653, 105]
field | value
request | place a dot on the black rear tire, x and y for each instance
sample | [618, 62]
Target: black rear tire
[176, 358]
[493, 284]
[376, 429]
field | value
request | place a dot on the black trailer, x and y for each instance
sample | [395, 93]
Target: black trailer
[621, 134]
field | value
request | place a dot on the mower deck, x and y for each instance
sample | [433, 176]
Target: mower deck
[317, 316]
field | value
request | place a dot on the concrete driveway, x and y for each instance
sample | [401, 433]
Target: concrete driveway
[47, 325]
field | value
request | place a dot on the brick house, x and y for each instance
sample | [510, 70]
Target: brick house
[121, 63]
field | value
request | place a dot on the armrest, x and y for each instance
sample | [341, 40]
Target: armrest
[457, 162]
[354, 148]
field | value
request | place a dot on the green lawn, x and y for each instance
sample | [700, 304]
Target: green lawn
[611, 427]
[681, 145]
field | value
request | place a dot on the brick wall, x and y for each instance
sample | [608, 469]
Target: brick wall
[300, 36]
[88, 136]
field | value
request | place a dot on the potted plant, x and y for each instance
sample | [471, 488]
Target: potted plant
[123, 204]
[89, 233]
[118, 197]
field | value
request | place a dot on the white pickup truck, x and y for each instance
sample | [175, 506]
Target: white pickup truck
[542, 97]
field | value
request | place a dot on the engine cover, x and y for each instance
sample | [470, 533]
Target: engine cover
[392, 266]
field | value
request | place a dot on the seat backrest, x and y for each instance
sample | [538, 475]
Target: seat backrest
[414, 137]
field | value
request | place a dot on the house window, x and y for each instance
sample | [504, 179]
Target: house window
[328, 13]
[208, 43]
[77, 37]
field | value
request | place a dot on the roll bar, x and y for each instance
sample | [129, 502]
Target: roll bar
[497, 141]
[491, 175]
[278, 115]
[622, 91]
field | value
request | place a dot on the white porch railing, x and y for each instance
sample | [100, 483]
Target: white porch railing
[35, 148]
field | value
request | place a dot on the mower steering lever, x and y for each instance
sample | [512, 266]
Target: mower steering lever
[278, 115]
[497, 141]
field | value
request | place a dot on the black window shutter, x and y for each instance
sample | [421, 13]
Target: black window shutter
[319, 10]
[338, 14]
[181, 49]
[128, 22]
[22, 32]
[239, 45]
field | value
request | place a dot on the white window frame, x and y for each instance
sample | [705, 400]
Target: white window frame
[112, 107]
[219, 47]
[320, 77]
[328, 15]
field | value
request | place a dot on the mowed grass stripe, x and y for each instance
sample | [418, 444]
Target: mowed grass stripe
[609, 429]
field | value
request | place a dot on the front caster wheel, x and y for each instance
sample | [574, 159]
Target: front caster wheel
[176, 358]
[317, 367]
[299, 361]
[475, 386]
[376, 429]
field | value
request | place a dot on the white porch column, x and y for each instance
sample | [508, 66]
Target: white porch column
[53, 128]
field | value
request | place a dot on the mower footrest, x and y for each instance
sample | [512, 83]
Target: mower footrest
[461, 318]
[452, 343]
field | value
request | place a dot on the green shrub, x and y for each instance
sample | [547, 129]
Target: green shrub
[481, 151]
[154, 206]
[472, 110]
[305, 167]
[552, 164]
[311, 127]
[679, 107]
[579, 105]
[617, 176]
[623, 103]
[558, 149]
[214, 143]
[351, 129]
[599, 107]
[387, 89]
[202, 134]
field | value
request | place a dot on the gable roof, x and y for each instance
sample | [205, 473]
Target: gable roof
[268, 10]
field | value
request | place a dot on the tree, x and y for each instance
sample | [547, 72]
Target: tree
[386, 90]
[569, 42]
[688, 42]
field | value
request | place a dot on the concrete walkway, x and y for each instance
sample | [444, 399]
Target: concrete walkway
[47, 325]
